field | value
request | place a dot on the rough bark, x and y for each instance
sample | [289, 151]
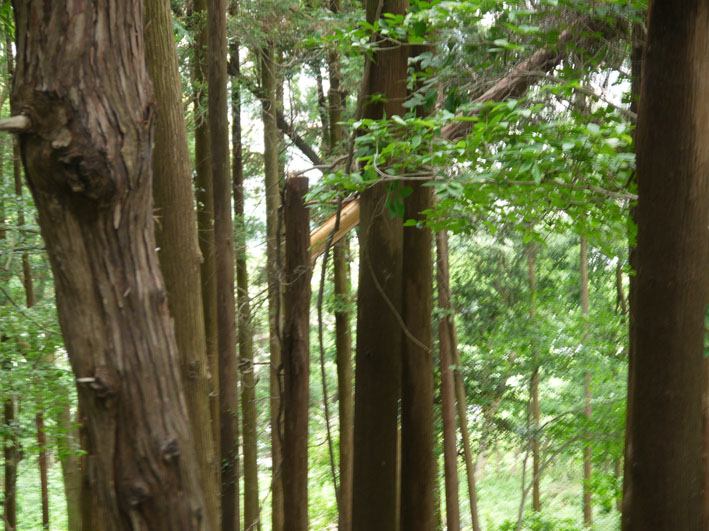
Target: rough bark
[445, 303]
[81, 80]
[224, 261]
[249, 417]
[204, 193]
[669, 304]
[417, 464]
[273, 204]
[378, 356]
[176, 237]
[296, 355]
[448, 413]
[587, 490]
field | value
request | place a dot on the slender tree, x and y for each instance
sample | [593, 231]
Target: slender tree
[249, 417]
[587, 487]
[71, 467]
[273, 204]
[176, 236]
[448, 412]
[534, 382]
[224, 261]
[86, 145]
[669, 304]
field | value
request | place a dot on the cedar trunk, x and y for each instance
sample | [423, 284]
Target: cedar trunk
[176, 236]
[448, 413]
[204, 194]
[249, 417]
[668, 307]
[378, 356]
[224, 262]
[273, 204]
[42, 458]
[417, 464]
[87, 161]
[296, 355]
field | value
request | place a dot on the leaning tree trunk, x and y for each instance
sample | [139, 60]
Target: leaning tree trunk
[669, 305]
[82, 83]
[176, 236]
[378, 356]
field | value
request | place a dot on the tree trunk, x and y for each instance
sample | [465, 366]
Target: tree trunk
[417, 465]
[246, 349]
[224, 261]
[71, 468]
[87, 160]
[42, 459]
[444, 303]
[11, 455]
[669, 305]
[587, 491]
[378, 357]
[176, 237]
[296, 355]
[273, 203]
[534, 383]
[205, 221]
[636, 59]
[450, 432]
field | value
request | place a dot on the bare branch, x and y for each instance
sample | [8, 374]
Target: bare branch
[15, 124]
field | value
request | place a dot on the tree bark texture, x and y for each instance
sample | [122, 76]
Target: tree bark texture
[273, 204]
[669, 305]
[81, 80]
[176, 237]
[444, 302]
[587, 488]
[11, 457]
[246, 349]
[417, 464]
[448, 413]
[378, 356]
[224, 261]
[204, 193]
[296, 355]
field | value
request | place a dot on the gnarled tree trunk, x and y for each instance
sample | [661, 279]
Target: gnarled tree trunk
[82, 82]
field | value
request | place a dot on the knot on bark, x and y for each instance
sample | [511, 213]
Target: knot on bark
[170, 450]
[137, 493]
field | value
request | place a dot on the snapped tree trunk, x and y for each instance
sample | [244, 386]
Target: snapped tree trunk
[176, 236]
[378, 356]
[87, 161]
[669, 304]
[296, 355]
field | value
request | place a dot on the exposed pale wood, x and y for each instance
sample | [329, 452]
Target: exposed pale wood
[349, 218]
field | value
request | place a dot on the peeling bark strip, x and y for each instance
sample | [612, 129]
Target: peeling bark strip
[82, 81]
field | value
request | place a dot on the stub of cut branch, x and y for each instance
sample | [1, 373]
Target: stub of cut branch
[15, 124]
[349, 218]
